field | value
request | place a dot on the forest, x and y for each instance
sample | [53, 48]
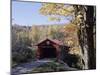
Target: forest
[79, 35]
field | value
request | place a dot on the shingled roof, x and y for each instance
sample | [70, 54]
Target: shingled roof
[55, 41]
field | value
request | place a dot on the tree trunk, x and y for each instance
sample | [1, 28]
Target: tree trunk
[86, 36]
[90, 37]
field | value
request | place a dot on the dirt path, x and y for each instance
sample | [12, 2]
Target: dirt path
[28, 67]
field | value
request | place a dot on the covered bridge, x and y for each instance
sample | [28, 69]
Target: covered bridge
[48, 48]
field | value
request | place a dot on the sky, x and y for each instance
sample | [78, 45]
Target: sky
[27, 13]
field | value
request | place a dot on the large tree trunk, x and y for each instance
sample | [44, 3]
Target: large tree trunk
[90, 37]
[87, 36]
[82, 35]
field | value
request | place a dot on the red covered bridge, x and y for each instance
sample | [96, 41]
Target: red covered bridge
[48, 48]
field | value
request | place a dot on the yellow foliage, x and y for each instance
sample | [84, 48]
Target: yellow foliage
[54, 19]
[56, 9]
[75, 50]
[71, 28]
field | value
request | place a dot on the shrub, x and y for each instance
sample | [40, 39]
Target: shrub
[73, 61]
[22, 54]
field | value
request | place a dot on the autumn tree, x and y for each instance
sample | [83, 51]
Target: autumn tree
[34, 34]
[84, 18]
[20, 44]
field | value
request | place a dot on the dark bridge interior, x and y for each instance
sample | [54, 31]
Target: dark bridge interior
[48, 51]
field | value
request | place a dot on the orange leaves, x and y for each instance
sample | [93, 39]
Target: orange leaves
[71, 38]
